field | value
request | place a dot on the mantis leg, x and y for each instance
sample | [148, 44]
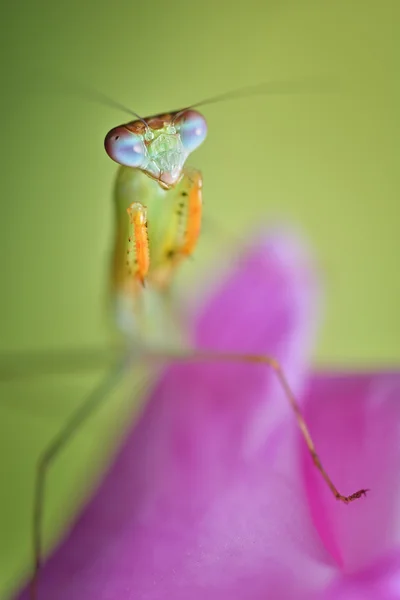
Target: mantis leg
[87, 408]
[31, 364]
[271, 363]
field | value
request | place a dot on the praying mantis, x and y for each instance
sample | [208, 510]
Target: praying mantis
[158, 204]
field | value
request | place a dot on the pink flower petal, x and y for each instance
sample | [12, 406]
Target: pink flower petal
[199, 503]
[355, 420]
[380, 581]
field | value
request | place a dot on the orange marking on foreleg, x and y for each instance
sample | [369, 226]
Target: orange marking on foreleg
[139, 254]
[194, 217]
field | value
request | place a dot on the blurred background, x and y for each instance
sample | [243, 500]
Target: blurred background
[326, 164]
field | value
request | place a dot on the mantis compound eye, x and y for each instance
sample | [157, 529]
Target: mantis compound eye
[192, 128]
[125, 148]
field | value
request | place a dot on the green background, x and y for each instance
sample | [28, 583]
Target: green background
[326, 164]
